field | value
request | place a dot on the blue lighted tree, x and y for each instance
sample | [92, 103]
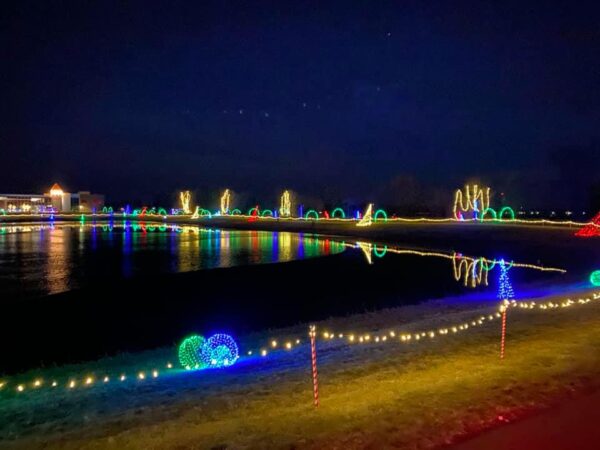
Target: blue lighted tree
[505, 289]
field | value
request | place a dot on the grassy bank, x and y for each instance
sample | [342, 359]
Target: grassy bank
[418, 395]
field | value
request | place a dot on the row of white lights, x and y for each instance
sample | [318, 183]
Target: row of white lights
[349, 338]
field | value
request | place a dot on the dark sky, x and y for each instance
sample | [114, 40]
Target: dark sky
[136, 100]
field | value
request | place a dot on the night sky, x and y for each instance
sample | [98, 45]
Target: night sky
[335, 100]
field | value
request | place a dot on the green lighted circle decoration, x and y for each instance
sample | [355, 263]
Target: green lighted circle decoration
[509, 210]
[595, 278]
[189, 352]
[338, 212]
[380, 212]
[311, 213]
[379, 253]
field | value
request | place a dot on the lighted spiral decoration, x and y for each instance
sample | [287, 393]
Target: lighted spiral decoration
[189, 352]
[219, 350]
[196, 353]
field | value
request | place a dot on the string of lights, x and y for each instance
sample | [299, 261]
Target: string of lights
[285, 208]
[471, 269]
[185, 198]
[593, 228]
[552, 305]
[287, 344]
[225, 201]
[475, 200]
[367, 219]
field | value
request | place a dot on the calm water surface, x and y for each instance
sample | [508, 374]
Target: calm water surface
[38, 260]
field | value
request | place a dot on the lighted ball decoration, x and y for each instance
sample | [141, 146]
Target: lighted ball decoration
[189, 352]
[595, 278]
[219, 350]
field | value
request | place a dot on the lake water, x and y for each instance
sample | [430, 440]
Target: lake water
[44, 259]
[73, 292]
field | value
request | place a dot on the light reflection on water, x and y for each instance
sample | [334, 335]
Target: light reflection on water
[44, 259]
[51, 258]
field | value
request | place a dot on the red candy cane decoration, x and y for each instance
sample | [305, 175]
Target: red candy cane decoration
[313, 349]
[503, 338]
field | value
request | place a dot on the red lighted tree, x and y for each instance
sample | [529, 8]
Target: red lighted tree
[591, 229]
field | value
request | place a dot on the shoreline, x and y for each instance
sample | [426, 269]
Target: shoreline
[334, 356]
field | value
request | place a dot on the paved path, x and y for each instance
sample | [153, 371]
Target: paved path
[574, 425]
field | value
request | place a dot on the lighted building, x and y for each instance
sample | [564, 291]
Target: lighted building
[56, 200]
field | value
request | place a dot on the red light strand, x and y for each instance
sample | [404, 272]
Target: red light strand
[313, 350]
[591, 229]
[503, 339]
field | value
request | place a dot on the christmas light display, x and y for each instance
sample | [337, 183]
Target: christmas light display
[472, 270]
[189, 352]
[469, 267]
[313, 351]
[498, 216]
[350, 338]
[595, 278]
[475, 200]
[107, 210]
[201, 212]
[380, 253]
[380, 212]
[285, 208]
[367, 249]
[505, 289]
[552, 305]
[185, 198]
[488, 211]
[236, 212]
[503, 332]
[367, 218]
[267, 213]
[311, 214]
[592, 229]
[338, 211]
[225, 200]
[254, 211]
[219, 350]
[506, 209]
[162, 212]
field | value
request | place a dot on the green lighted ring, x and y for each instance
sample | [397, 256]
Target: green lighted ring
[595, 278]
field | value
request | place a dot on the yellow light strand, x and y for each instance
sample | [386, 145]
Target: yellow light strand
[367, 219]
[285, 209]
[473, 200]
[185, 198]
[225, 201]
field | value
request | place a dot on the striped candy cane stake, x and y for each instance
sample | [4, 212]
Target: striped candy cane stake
[313, 348]
[503, 338]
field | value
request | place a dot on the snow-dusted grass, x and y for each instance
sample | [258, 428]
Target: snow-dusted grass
[418, 395]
